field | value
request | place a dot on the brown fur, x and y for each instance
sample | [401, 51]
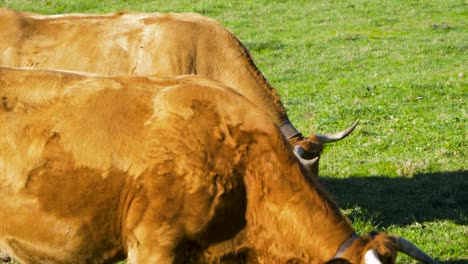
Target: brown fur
[97, 169]
[164, 45]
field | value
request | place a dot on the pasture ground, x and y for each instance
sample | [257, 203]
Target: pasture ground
[398, 66]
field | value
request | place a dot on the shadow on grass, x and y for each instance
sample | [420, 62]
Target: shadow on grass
[403, 201]
[460, 261]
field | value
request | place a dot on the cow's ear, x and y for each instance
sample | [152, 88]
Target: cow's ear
[338, 261]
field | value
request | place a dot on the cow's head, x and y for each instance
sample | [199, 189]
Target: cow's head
[311, 148]
[377, 248]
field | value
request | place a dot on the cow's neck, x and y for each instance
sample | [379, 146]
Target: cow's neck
[235, 68]
[253, 85]
[293, 217]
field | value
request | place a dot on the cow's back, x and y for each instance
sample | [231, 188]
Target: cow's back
[109, 44]
[164, 45]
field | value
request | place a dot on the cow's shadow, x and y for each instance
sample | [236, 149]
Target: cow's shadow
[460, 261]
[400, 201]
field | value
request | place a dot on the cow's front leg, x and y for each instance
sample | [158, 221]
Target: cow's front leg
[153, 244]
[142, 254]
[4, 257]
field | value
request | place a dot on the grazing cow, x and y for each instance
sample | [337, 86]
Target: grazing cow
[95, 169]
[166, 45]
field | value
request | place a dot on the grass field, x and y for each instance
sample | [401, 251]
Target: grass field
[399, 66]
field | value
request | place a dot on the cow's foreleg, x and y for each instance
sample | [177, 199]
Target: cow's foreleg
[153, 243]
[4, 257]
[150, 255]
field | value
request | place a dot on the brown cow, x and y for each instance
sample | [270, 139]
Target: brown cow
[96, 169]
[166, 45]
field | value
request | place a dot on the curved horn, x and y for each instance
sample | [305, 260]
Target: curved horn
[328, 138]
[371, 257]
[412, 250]
[299, 151]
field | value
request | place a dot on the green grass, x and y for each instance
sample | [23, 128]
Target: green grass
[398, 66]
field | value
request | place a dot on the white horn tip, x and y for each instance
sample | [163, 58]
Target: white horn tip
[371, 257]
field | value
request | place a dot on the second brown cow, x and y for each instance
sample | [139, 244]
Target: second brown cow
[165, 45]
